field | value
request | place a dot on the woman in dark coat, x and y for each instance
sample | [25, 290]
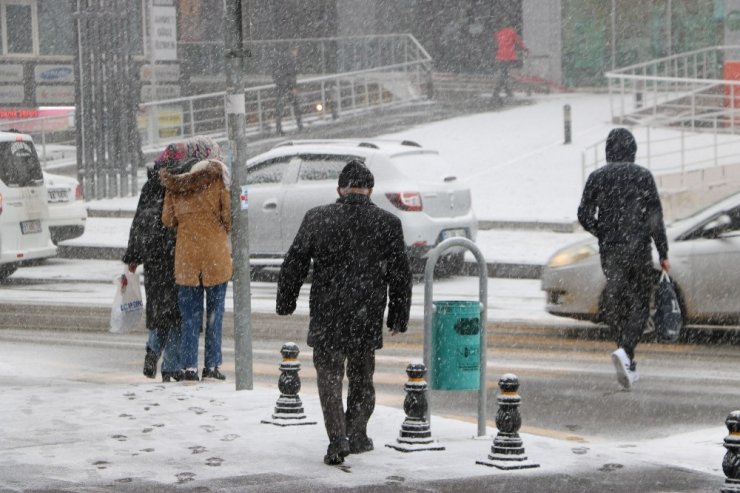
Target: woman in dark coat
[152, 244]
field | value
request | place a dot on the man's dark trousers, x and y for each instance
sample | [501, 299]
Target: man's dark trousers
[629, 284]
[329, 364]
[281, 94]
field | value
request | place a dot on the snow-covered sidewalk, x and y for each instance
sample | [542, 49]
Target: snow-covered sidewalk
[140, 432]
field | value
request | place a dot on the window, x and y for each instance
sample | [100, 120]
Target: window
[18, 27]
[268, 172]
[56, 29]
[46, 27]
[323, 167]
[19, 165]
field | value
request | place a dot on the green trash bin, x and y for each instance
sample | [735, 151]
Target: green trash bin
[456, 345]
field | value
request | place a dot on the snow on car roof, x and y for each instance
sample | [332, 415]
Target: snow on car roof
[389, 147]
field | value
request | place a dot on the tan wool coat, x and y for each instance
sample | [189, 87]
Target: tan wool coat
[198, 204]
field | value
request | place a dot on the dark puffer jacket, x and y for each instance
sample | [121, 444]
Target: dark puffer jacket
[359, 264]
[620, 203]
[152, 244]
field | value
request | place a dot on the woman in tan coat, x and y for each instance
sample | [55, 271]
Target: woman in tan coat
[198, 204]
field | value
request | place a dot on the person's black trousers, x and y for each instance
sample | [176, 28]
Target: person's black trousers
[280, 96]
[329, 364]
[629, 283]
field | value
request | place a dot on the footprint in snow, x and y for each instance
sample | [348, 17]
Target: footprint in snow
[214, 461]
[184, 477]
[230, 437]
[197, 449]
[197, 410]
[120, 438]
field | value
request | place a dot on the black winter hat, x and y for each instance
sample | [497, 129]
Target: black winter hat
[620, 146]
[356, 175]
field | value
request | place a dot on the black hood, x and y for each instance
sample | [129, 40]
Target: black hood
[620, 146]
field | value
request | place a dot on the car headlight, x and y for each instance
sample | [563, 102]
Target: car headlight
[572, 255]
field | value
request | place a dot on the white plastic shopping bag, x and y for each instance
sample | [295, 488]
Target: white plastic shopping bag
[127, 304]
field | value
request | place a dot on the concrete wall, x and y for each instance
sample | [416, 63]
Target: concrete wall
[541, 29]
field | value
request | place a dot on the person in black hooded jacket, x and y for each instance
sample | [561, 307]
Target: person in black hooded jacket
[621, 207]
[359, 266]
[152, 244]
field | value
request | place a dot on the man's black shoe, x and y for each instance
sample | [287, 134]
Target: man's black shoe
[190, 376]
[360, 445]
[213, 373]
[168, 376]
[336, 452]
[150, 364]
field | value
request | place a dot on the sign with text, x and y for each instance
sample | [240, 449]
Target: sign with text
[11, 73]
[159, 92]
[55, 94]
[164, 33]
[54, 73]
[162, 73]
[12, 94]
[170, 121]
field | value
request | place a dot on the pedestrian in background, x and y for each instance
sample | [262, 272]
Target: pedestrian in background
[198, 204]
[621, 207]
[285, 76]
[508, 44]
[152, 244]
[359, 265]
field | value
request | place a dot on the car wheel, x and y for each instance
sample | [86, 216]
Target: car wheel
[6, 270]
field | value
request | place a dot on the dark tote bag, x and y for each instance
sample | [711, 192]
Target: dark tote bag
[667, 318]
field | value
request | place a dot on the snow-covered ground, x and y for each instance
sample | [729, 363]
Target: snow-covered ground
[65, 428]
[134, 431]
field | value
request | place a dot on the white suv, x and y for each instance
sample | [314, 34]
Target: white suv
[24, 213]
[413, 183]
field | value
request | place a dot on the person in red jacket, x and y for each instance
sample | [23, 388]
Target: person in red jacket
[507, 43]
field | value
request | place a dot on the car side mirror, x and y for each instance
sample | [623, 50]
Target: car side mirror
[717, 226]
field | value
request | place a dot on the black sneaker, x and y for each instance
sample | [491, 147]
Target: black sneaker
[168, 376]
[213, 373]
[359, 445]
[150, 364]
[336, 452]
[190, 376]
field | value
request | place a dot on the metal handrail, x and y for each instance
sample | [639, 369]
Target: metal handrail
[685, 93]
[386, 83]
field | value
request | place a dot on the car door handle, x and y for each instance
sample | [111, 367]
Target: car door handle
[270, 205]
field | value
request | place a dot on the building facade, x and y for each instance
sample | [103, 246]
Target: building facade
[178, 45]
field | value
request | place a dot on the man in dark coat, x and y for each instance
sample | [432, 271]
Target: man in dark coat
[152, 244]
[359, 265]
[621, 207]
[285, 76]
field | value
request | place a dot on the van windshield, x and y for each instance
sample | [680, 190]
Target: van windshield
[19, 164]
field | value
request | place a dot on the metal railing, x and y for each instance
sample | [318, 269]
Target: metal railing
[321, 98]
[688, 89]
[672, 150]
[688, 114]
[350, 75]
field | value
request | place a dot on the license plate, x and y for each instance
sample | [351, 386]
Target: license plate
[454, 233]
[58, 196]
[29, 227]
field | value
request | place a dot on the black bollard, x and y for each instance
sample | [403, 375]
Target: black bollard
[415, 434]
[567, 123]
[289, 408]
[731, 462]
[507, 451]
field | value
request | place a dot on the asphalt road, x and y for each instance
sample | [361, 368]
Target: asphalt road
[568, 386]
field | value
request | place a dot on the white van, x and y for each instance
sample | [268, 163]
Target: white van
[24, 212]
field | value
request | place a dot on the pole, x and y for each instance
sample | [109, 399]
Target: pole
[235, 114]
[567, 124]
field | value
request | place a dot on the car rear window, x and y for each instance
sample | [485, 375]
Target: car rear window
[318, 167]
[19, 164]
[423, 166]
[271, 171]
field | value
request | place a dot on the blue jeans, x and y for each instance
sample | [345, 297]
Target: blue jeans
[169, 343]
[190, 301]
